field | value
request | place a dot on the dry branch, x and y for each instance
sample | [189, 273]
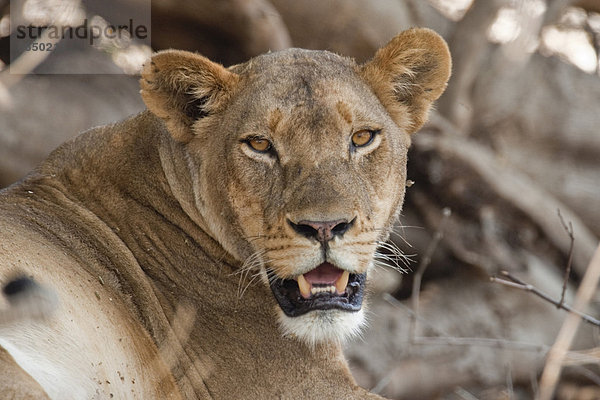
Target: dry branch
[516, 283]
[567, 332]
[463, 394]
[230, 31]
[509, 185]
[425, 261]
[581, 357]
[444, 339]
[468, 47]
[569, 230]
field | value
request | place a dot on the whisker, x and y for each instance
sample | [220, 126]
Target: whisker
[274, 278]
[395, 257]
[399, 230]
[392, 264]
[402, 237]
[252, 262]
[394, 261]
[252, 280]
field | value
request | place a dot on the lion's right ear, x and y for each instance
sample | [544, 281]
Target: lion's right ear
[181, 87]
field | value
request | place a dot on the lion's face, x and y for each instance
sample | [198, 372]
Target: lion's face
[319, 175]
[300, 166]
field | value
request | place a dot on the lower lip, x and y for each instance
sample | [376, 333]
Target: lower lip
[293, 304]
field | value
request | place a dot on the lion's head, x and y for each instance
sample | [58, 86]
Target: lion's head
[297, 163]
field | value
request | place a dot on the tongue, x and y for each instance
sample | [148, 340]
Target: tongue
[325, 273]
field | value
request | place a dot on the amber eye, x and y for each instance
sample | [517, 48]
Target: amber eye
[259, 144]
[363, 137]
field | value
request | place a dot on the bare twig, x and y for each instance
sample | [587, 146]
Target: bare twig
[464, 394]
[468, 47]
[514, 188]
[381, 384]
[396, 303]
[444, 339]
[495, 343]
[425, 261]
[27, 61]
[591, 375]
[516, 283]
[461, 341]
[554, 10]
[557, 353]
[509, 383]
[22, 66]
[581, 357]
[569, 230]
[534, 383]
[593, 37]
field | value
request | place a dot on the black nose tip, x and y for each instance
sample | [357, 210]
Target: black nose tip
[323, 231]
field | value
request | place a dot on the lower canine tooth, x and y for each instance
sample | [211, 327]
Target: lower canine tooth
[304, 286]
[342, 282]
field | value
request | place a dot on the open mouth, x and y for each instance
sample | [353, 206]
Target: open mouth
[324, 288]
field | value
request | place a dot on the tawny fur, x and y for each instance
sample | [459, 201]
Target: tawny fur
[171, 210]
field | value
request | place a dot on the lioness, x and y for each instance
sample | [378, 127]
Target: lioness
[288, 169]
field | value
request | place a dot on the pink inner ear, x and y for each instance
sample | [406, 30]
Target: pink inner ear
[325, 274]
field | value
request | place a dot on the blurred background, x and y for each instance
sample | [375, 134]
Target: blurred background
[514, 141]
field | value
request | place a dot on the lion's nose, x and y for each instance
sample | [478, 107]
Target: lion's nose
[323, 231]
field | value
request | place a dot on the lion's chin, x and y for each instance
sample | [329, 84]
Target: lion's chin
[323, 326]
[321, 305]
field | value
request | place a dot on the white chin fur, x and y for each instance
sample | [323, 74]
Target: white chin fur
[321, 326]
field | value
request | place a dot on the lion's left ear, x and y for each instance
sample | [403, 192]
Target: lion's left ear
[409, 74]
[182, 87]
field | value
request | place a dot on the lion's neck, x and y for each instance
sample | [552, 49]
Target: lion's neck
[178, 171]
[129, 175]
